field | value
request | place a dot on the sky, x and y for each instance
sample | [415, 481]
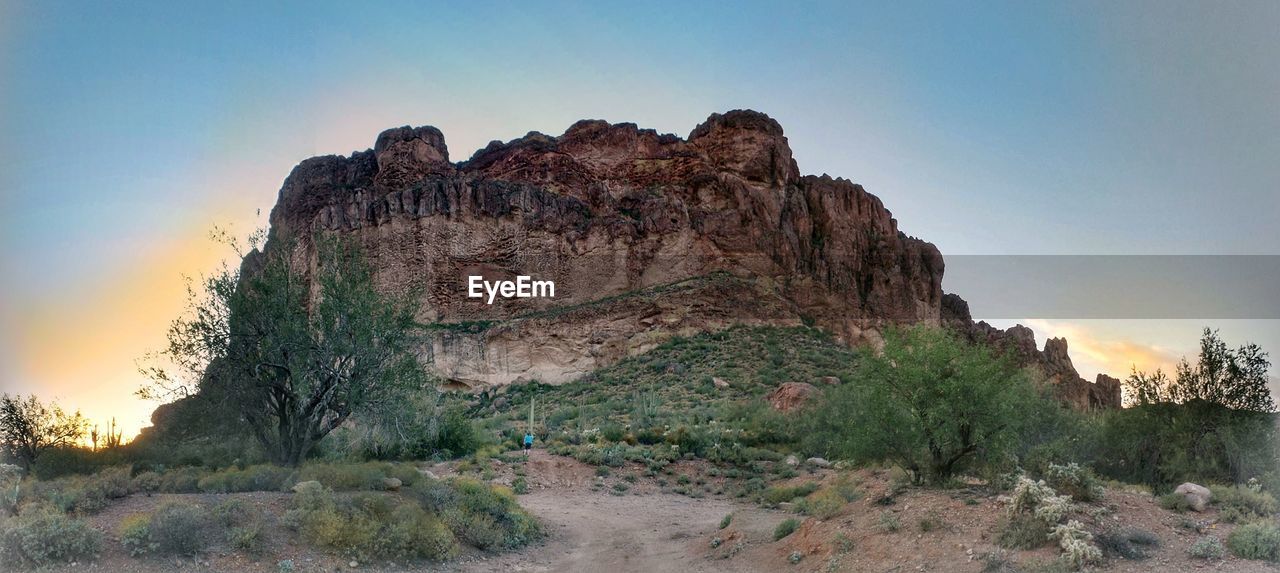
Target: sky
[129, 130]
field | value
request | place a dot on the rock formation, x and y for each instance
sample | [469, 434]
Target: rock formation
[645, 235]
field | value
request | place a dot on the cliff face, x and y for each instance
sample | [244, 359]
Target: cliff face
[645, 235]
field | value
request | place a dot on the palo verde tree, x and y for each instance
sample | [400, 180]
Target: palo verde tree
[1235, 379]
[29, 428]
[1213, 421]
[930, 403]
[293, 343]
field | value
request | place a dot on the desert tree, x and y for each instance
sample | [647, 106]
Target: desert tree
[1236, 379]
[293, 343]
[28, 428]
[930, 403]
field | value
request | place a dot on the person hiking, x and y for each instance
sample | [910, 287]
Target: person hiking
[528, 442]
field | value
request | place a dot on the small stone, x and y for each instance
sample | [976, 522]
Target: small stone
[818, 462]
[353, 564]
[391, 484]
[792, 460]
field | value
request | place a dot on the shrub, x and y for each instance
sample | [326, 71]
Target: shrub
[822, 504]
[488, 517]
[726, 520]
[931, 522]
[889, 522]
[180, 529]
[785, 528]
[782, 494]
[246, 538]
[1258, 540]
[146, 482]
[1174, 502]
[1127, 543]
[135, 535]
[40, 537]
[181, 480]
[262, 477]
[345, 477]
[369, 526]
[1074, 480]
[1207, 548]
[520, 486]
[1022, 531]
[1240, 504]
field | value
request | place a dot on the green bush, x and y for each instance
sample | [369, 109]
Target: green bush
[83, 494]
[1241, 504]
[361, 476]
[1258, 540]
[181, 480]
[263, 477]
[40, 537]
[726, 520]
[44, 536]
[488, 517]
[146, 482]
[782, 494]
[785, 528]
[1174, 502]
[247, 538]
[180, 529]
[1022, 531]
[889, 522]
[957, 407]
[822, 504]
[1207, 548]
[426, 523]
[135, 535]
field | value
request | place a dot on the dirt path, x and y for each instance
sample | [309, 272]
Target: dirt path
[598, 531]
[592, 529]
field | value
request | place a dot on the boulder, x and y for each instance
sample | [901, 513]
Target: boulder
[792, 460]
[720, 383]
[790, 396]
[818, 462]
[1197, 496]
[391, 484]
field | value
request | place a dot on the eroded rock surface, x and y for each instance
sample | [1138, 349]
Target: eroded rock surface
[645, 235]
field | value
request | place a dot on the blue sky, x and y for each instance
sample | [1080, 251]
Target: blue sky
[129, 129]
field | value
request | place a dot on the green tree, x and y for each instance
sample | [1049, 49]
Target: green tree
[293, 343]
[930, 403]
[1236, 379]
[1212, 422]
[29, 428]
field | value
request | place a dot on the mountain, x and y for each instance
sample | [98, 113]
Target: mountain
[646, 236]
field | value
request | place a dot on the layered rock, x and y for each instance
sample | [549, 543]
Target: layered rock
[645, 235]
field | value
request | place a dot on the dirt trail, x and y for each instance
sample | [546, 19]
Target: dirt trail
[593, 530]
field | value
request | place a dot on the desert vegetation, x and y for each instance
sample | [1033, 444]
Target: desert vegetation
[312, 402]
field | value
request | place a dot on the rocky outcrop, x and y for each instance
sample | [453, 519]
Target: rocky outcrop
[790, 396]
[606, 210]
[645, 235]
[1053, 362]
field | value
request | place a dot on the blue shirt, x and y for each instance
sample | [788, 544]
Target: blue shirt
[528, 439]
